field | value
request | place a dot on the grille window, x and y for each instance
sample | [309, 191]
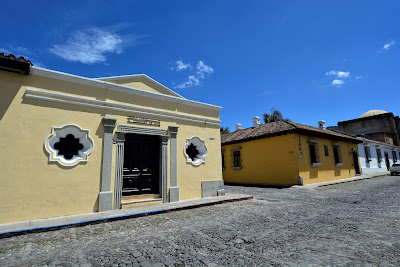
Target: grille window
[379, 154]
[326, 151]
[68, 146]
[236, 159]
[192, 151]
[367, 153]
[313, 153]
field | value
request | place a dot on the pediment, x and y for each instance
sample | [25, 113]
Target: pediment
[141, 81]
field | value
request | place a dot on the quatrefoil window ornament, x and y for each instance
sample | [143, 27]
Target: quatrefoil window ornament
[195, 151]
[69, 145]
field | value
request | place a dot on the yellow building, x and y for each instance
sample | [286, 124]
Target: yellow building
[287, 153]
[73, 145]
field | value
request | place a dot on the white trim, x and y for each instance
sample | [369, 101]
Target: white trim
[61, 132]
[49, 96]
[116, 87]
[201, 148]
[142, 75]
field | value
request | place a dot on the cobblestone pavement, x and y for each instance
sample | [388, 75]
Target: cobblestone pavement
[351, 224]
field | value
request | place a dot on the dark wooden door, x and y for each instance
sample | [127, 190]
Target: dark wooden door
[141, 165]
[355, 162]
[387, 160]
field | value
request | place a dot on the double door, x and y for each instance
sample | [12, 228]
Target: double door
[141, 170]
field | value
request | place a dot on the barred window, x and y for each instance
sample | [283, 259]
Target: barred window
[379, 154]
[314, 153]
[367, 153]
[337, 153]
[394, 156]
[326, 150]
[236, 158]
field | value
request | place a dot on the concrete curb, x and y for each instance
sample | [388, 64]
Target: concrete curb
[356, 178]
[51, 224]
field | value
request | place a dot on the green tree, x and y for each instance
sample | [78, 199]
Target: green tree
[224, 130]
[275, 115]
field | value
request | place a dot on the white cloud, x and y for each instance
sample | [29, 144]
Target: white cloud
[388, 45]
[337, 82]
[180, 66]
[89, 46]
[202, 70]
[358, 77]
[338, 74]
[192, 81]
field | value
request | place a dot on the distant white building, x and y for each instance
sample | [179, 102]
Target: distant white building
[376, 157]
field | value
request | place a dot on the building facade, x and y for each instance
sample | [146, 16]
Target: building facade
[377, 157]
[377, 125]
[287, 153]
[74, 145]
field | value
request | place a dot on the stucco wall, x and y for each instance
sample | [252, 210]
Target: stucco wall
[30, 186]
[264, 161]
[33, 188]
[373, 166]
[327, 171]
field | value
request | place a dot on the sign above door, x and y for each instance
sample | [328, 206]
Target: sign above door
[141, 120]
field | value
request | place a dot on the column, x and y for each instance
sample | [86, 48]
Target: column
[174, 189]
[164, 168]
[105, 195]
[119, 170]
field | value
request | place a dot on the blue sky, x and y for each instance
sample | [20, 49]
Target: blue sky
[311, 60]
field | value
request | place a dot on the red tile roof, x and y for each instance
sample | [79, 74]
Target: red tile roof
[378, 142]
[12, 57]
[282, 127]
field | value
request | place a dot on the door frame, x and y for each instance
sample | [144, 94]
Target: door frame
[163, 161]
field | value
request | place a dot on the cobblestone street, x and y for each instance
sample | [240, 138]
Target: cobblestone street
[350, 224]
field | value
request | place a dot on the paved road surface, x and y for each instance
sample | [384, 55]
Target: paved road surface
[351, 224]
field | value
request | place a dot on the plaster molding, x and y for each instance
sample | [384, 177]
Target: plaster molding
[201, 148]
[116, 87]
[82, 101]
[125, 77]
[141, 130]
[62, 132]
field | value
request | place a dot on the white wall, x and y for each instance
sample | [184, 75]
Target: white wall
[373, 166]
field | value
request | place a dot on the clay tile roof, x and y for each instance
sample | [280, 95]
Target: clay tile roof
[11, 56]
[379, 143]
[282, 127]
[12, 64]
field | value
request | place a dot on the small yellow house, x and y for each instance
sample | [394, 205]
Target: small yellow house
[73, 145]
[287, 153]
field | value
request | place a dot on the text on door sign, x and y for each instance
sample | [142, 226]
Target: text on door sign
[141, 120]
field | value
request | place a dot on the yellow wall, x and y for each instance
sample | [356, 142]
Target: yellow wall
[264, 161]
[30, 186]
[189, 176]
[142, 83]
[33, 188]
[327, 171]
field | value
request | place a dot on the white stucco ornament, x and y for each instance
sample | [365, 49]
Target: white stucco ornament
[69, 145]
[195, 151]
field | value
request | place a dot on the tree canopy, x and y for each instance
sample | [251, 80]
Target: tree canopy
[224, 130]
[275, 115]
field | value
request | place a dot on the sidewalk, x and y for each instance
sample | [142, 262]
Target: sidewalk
[23, 227]
[356, 178]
